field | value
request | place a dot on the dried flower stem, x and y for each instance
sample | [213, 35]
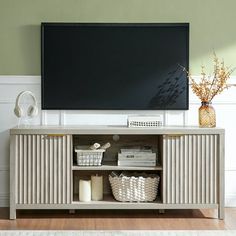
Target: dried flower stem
[208, 87]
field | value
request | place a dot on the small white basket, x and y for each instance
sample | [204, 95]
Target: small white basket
[145, 121]
[89, 157]
[135, 189]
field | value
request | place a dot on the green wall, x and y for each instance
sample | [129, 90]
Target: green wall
[212, 26]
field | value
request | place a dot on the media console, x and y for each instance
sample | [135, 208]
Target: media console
[43, 174]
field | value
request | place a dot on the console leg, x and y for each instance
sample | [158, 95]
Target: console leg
[12, 213]
[221, 212]
[71, 211]
[221, 178]
[161, 211]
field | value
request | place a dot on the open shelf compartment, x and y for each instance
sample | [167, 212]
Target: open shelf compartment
[109, 164]
[108, 197]
[110, 155]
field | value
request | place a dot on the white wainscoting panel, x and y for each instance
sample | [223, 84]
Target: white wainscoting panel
[230, 188]
[226, 117]
[175, 117]
[50, 117]
[192, 114]
[11, 86]
[4, 183]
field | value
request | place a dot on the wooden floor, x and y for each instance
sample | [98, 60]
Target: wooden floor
[118, 220]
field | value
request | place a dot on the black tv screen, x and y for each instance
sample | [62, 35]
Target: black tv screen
[114, 66]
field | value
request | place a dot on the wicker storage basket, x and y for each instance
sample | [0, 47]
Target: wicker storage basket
[89, 157]
[135, 188]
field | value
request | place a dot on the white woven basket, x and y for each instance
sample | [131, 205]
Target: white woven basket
[134, 189]
[89, 157]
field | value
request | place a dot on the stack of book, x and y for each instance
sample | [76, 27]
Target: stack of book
[136, 157]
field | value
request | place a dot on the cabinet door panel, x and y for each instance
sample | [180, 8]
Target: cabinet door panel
[43, 166]
[190, 169]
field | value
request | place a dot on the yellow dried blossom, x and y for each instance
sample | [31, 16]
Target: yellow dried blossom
[210, 86]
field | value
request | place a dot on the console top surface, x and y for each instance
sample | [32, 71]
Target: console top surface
[112, 129]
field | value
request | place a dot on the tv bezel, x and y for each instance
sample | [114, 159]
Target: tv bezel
[186, 25]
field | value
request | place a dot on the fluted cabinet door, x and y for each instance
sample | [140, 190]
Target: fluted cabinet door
[43, 169]
[190, 169]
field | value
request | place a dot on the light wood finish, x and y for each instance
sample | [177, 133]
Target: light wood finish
[114, 166]
[40, 170]
[221, 176]
[190, 167]
[118, 220]
[43, 167]
[192, 173]
[110, 130]
[13, 154]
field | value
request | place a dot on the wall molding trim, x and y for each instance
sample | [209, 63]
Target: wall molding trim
[19, 79]
[36, 79]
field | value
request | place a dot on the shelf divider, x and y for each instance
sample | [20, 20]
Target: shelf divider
[115, 167]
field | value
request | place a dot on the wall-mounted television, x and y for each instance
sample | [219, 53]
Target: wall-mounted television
[114, 66]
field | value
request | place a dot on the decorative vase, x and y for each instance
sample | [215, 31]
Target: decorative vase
[207, 115]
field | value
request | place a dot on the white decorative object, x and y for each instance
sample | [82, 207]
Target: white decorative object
[145, 121]
[106, 146]
[32, 110]
[85, 190]
[89, 157]
[95, 146]
[134, 188]
[97, 187]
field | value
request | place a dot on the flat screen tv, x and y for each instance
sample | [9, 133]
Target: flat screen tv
[101, 66]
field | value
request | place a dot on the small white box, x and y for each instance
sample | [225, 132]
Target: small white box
[145, 121]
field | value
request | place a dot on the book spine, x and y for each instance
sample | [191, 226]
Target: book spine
[137, 156]
[130, 149]
[137, 159]
[146, 163]
[136, 151]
